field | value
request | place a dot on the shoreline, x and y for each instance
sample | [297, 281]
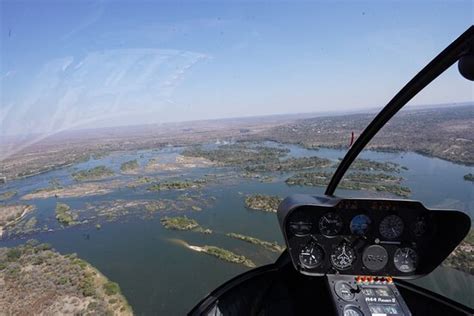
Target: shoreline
[28, 209]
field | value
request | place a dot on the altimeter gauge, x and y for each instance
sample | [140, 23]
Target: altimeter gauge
[391, 227]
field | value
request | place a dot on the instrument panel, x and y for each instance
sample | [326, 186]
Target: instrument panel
[330, 235]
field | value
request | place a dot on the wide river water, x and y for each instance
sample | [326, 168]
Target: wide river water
[160, 276]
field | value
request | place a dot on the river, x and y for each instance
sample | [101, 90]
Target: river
[159, 276]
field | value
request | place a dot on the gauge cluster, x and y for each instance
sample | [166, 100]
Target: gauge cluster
[326, 235]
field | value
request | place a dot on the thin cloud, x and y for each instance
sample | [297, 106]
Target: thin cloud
[107, 85]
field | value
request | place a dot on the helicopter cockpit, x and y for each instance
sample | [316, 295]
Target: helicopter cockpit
[356, 253]
[361, 245]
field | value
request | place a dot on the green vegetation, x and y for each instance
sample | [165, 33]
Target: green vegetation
[64, 214]
[410, 131]
[241, 154]
[155, 206]
[34, 269]
[55, 184]
[183, 223]
[7, 195]
[25, 227]
[141, 180]
[95, 173]
[13, 254]
[86, 285]
[227, 255]
[176, 185]
[129, 166]
[272, 246]
[267, 203]
[114, 209]
[469, 177]
[111, 288]
[179, 223]
[354, 181]
[372, 165]
[290, 164]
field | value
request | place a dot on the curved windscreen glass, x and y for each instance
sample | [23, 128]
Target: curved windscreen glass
[145, 146]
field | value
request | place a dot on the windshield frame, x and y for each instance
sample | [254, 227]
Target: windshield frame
[462, 46]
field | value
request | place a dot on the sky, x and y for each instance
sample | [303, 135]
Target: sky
[77, 64]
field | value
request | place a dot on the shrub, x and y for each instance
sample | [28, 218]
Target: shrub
[81, 263]
[32, 242]
[44, 246]
[13, 254]
[87, 287]
[63, 280]
[111, 288]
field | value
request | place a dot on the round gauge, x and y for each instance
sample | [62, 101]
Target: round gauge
[311, 256]
[300, 228]
[343, 257]
[330, 224]
[391, 227]
[352, 311]
[405, 259]
[360, 224]
[375, 257]
[344, 290]
[420, 226]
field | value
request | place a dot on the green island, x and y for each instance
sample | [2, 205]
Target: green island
[145, 209]
[7, 195]
[469, 177]
[55, 284]
[272, 246]
[291, 164]
[240, 154]
[354, 181]
[228, 255]
[372, 165]
[261, 178]
[129, 166]
[220, 253]
[76, 190]
[462, 257]
[64, 215]
[183, 223]
[96, 173]
[267, 203]
[176, 185]
[53, 188]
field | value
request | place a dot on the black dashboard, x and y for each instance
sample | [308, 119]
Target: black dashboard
[400, 238]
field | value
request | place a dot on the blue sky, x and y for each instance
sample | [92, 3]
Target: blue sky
[74, 64]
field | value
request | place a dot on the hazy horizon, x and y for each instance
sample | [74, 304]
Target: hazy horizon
[282, 116]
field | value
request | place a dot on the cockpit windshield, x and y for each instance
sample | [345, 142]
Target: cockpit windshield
[145, 146]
